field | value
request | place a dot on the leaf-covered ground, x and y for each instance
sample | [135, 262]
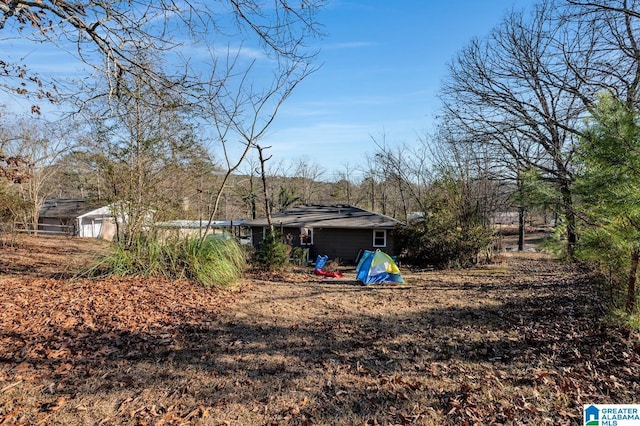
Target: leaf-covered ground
[516, 342]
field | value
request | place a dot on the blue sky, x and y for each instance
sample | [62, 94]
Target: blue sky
[382, 63]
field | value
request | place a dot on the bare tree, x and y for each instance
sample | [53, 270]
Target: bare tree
[515, 91]
[39, 144]
[615, 27]
[13, 167]
[110, 36]
[407, 172]
[345, 185]
[265, 188]
[241, 111]
[497, 174]
[143, 140]
[245, 189]
[308, 175]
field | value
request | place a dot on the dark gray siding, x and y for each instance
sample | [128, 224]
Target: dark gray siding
[346, 244]
[257, 234]
[343, 244]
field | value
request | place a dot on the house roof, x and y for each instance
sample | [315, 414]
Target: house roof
[198, 224]
[104, 211]
[65, 208]
[323, 216]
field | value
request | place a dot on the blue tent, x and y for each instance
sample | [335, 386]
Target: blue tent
[377, 267]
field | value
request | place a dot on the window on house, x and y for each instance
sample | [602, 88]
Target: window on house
[306, 236]
[379, 237]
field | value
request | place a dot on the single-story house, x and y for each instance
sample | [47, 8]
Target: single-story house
[59, 216]
[337, 231]
[76, 217]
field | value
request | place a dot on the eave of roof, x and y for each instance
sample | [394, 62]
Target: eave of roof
[198, 224]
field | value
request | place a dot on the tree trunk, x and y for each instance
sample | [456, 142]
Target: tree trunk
[631, 285]
[265, 188]
[252, 199]
[373, 195]
[521, 225]
[570, 217]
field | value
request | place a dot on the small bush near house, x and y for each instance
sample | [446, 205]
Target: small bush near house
[273, 254]
[215, 262]
[299, 256]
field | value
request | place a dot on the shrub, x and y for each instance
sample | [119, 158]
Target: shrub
[217, 262]
[214, 262]
[451, 233]
[426, 246]
[299, 255]
[607, 257]
[273, 254]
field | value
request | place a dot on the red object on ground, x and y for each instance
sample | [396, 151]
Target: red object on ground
[328, 274]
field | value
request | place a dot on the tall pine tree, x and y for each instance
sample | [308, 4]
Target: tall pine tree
[609, 182]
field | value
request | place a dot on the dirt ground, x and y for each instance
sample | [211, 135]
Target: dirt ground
[519, 341]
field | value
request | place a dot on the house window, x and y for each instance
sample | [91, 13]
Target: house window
[379, 237]
[306, 236]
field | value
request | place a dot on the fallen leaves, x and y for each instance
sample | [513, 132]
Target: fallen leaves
[57, 332]
[516, 344]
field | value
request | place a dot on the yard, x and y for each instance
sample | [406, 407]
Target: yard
[518, 341]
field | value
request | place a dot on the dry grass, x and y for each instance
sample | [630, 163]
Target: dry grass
[515, 342]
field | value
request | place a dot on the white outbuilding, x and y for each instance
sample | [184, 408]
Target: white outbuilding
[98, 223]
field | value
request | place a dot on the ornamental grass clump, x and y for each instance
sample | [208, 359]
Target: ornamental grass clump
[214, 262]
